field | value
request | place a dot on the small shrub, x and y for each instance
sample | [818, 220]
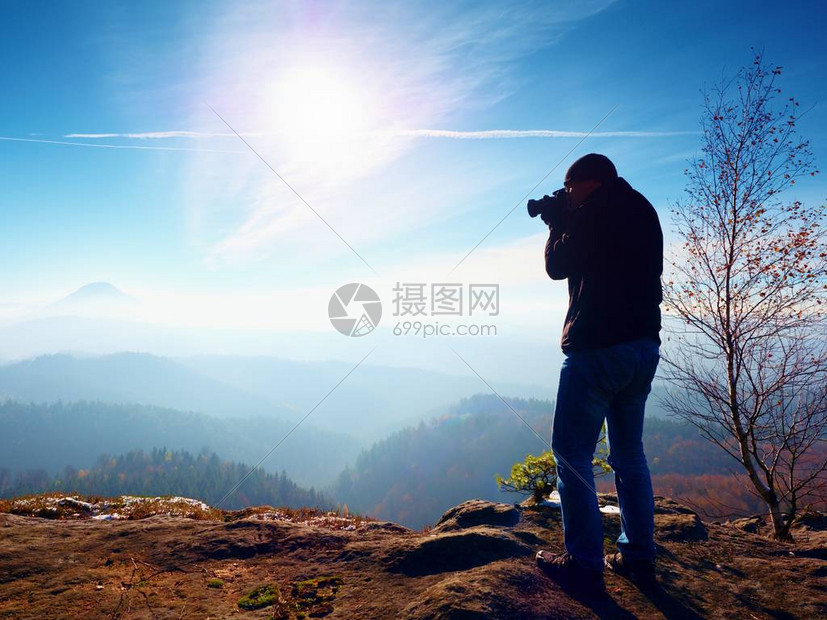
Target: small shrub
[215, 583]
[537, 475]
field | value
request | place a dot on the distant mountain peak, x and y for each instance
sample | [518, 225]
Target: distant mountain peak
[99, 290]
[96, 299]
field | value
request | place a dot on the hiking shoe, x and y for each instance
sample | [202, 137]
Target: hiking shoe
[636, 570]
[564, 567]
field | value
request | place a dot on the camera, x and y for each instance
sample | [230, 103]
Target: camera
[549, 208]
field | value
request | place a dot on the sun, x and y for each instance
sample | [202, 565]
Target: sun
[321, 115]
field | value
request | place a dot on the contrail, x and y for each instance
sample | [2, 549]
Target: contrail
[158, 135]
[117, 146]
[491, 134]
[500, 134]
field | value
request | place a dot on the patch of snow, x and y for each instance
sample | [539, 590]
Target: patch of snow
[114, 516]
[270, 516]
[128, 500]
[73, 501]
[195, 503]
[553, 501]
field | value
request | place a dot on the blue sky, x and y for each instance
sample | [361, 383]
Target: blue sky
[343, 99]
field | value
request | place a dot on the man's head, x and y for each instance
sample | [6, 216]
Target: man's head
[586, 175]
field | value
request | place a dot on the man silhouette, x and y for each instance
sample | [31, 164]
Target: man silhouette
[608, 244]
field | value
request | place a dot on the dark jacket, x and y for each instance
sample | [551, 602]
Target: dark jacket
[611, 251]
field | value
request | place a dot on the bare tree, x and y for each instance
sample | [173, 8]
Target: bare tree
[746, 350]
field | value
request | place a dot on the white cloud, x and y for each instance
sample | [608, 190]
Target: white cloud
[409, 66]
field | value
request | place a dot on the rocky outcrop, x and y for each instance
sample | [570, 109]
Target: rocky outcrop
[478, 512]
[455, 551]
[476, 562]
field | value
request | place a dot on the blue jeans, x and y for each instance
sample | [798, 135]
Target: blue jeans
[612, 384]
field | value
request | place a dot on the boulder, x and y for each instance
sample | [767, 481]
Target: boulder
[452, 551]
[478, 512]
[680, 527]
[748, 524]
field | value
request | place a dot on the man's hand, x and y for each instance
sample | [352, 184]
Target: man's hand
[535, 206]
[556, 215]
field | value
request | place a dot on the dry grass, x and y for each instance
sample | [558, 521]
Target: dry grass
[61, 506]
[334, 520]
